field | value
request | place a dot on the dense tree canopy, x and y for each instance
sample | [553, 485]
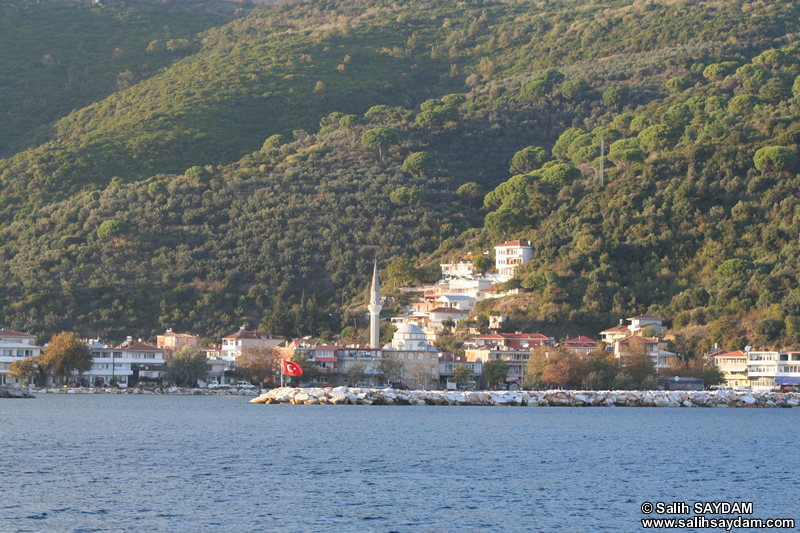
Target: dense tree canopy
[188, 366]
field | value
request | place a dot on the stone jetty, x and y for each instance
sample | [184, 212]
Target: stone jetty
[551, 398]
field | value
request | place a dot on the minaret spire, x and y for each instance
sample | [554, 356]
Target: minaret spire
[375, 310]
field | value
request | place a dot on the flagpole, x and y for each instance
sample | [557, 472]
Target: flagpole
[282, 372]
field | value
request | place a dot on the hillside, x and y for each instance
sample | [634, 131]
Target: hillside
[58, 57]
[283, 233]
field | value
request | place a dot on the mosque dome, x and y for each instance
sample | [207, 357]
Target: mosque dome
[409, 337]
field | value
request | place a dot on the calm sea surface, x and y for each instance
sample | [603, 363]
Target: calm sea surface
[206, 463]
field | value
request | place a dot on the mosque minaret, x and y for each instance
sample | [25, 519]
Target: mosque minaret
[375, 310]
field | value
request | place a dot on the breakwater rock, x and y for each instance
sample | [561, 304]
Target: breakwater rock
[560, 398]
[15, 393]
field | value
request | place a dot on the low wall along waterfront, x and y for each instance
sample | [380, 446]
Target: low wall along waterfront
[355, 396]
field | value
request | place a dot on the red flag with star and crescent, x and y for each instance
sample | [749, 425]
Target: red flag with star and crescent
[292, 369]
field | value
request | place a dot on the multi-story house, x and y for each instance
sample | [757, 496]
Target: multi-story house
[325, 358]
[515, 358]
[637, 324]
[762, 369]
[655, 348]
[581, 345]
[616, 333]
[514, 349]
[15, 346]
[457, 269]
[733, 366]
[510, 256]
[788, 369]
[511, 340]
[232, 345]
[457, 301]
[431, 292]
[126, 365]
[171, 341]
[440, 314]
[353, 360]
[447, 365]
[640, 322]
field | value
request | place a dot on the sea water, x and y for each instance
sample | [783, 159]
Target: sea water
[82, 463]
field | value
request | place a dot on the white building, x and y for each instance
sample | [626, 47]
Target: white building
[232, 345]
[654, 348]
[458, 269]
[440, 314]
[640, 322]
[788, 369]
[472, 287]
[456, 301]
[733, 366]
[125, 365]
[510, 255]
[15, 346]
[762, 369]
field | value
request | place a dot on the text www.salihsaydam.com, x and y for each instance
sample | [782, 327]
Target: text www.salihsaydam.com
[729, 524]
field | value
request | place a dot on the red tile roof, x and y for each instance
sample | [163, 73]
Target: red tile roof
[11, 333]
[580, 342]
[514, 243]
[737, 353]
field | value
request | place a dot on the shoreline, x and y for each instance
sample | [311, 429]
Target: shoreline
[552, 398]
[367, 396]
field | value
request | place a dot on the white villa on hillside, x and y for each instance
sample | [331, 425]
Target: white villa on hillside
[640, 322]
[510, 255]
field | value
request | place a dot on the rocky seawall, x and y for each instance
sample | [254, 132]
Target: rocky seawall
[553, 398]
[12, 392]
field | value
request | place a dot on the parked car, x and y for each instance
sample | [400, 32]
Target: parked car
[244, 385]
[213, 384]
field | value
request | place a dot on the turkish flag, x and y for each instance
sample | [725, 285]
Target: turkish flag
[292, 369]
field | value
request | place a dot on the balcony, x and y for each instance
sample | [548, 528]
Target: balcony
[762, 373]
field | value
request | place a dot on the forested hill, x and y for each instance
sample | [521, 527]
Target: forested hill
[257, 178]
